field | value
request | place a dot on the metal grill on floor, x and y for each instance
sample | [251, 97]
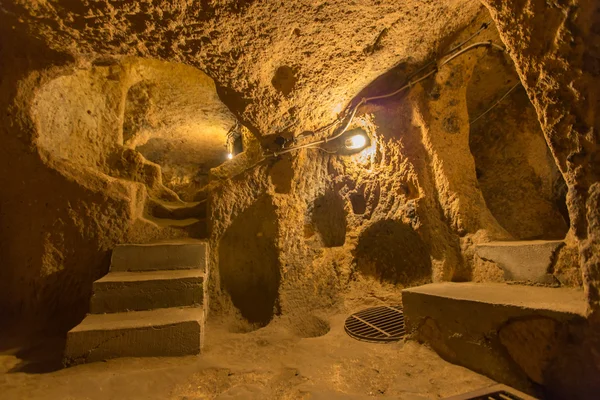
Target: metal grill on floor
[377, 324]
[495, 392]
[497, 396]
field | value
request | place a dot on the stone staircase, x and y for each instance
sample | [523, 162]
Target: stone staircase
[149, 304]
[189, 217]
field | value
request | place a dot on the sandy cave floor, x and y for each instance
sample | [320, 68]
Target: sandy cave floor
[269, 363]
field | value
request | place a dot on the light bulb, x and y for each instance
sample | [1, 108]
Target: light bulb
[230, 156]
[356, 142]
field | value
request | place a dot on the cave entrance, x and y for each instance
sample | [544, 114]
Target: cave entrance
[173, 116]
[249, 262]
[516, 172]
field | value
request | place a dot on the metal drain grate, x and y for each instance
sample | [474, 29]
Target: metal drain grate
[376, 324]
[502, 395]
[496, 392]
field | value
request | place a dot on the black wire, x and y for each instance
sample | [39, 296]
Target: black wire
[351, 110]
[346, 111]
[496, 103]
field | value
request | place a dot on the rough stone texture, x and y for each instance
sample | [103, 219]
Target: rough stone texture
[565, 265]
[414, 204]
[556, 49]
[101, 145]
[532, 344]
[268, 57]
[78, 191]
[274, 64]
[529, 261]
[514, 334]
[174, 118]
[161, 332]
[515, 170]
[137, 291]
[486, 271]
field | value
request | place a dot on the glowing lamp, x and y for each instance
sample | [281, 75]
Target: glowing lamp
[356, 141]
[229, 156]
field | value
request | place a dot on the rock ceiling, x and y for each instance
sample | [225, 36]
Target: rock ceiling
[277, 64]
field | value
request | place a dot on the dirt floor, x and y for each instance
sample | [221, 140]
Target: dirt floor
[274, 362]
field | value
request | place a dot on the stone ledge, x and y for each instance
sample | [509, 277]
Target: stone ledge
[159, 256]
[163, 332]
[511, 333]
[139, 291]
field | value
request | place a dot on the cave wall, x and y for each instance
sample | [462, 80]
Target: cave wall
[57, 228]
[275, 64]
[516, 172]
[556, 50]
[279, 69]
[406, 211]
[70, 190]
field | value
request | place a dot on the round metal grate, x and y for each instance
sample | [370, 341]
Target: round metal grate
[376, 324]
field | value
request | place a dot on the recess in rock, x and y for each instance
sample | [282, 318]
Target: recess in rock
[201, 193]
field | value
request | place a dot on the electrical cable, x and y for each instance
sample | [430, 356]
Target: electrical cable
[473, 46]
[322, 149]
[483, 27]
[277, 153]
[365, 100]
[496, 103]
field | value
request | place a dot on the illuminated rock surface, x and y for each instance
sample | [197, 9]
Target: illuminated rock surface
[117, 116]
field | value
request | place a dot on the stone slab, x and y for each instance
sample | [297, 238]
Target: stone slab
[462, 322]
[139, 291]
[159, 256]
[162, 332]
[522, 260]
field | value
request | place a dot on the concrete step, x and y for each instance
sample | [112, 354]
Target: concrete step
[507, 332]
[189, 254]
[526, 261]
[138, 291]
[161, 332]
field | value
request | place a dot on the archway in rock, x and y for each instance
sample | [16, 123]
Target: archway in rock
[516, 172]
[328, 217]
[174, 117]
[249, 262]
[101, 119]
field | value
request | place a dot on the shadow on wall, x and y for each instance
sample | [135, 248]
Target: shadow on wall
[558, 355]
[516, 172]
[329, 219]
[393, 252]
[249, 262]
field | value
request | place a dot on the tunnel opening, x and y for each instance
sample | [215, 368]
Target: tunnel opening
[249, 262]
[516, 172]
[174, 117]
[328, 216]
